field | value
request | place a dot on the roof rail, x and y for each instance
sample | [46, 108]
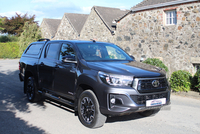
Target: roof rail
[44, 39]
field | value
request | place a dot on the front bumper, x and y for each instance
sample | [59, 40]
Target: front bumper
[120, 101]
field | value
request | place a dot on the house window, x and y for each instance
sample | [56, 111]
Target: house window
[196, 67]
[171, 18]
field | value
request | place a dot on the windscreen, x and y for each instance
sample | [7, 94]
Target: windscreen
[102, 52]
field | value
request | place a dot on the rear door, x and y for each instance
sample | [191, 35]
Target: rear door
[47, 65]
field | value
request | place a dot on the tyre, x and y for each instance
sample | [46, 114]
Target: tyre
[88, 110]
[149, 112]
[31, 92]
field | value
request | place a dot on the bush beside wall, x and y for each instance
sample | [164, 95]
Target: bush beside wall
[156, 62]
[180, 81]
[196, 81]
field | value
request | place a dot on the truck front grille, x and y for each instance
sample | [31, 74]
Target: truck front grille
[150, 85]
[141, 99]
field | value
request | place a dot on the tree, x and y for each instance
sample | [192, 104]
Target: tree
[15, 24]
[1, 24]
[31, 33]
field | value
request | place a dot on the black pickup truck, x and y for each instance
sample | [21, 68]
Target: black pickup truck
[97, 79]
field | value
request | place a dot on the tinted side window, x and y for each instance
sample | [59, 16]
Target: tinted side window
[52, 51]
[66, 50]
[34, 49]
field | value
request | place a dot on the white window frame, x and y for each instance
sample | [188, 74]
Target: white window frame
[170, 17]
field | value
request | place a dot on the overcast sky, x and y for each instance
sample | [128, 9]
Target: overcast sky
[55, 9]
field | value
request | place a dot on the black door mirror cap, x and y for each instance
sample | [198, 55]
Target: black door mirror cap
[69, 59]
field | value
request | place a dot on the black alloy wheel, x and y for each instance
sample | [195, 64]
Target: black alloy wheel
[88, 110]
[32, 96]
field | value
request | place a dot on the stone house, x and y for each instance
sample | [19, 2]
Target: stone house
[164, 29]
[49, 27]
[70, 26]
[100, 24]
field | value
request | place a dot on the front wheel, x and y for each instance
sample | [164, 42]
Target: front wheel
[88, 110]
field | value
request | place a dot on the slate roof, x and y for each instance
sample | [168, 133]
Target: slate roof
[151, 2]
[146, 3]
[76, 20]
[52, 25]
[108, 15]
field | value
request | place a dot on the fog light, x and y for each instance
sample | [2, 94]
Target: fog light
[112, 101]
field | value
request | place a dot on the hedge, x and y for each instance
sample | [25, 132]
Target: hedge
[9, 50]
[8, 38]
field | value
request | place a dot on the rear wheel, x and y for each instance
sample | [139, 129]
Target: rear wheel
[88, 110]
[31, 92]
[149, 112]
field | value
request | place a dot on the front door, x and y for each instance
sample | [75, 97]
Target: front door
[65, 73]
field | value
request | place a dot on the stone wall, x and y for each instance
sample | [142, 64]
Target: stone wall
[65, 31]
[145, 35]
[94, 28]
[45, 30]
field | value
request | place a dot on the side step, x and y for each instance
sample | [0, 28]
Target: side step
[67, 102]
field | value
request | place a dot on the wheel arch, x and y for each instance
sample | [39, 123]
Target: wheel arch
[27, 74]
[85, 82]
[80, 89]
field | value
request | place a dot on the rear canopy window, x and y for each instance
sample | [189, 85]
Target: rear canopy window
[34, 49]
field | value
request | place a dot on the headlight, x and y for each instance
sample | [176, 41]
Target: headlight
[116, 80]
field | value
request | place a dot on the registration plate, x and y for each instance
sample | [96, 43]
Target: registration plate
[155, 102]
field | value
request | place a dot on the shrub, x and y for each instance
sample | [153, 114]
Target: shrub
[8, 38]
[13, 38]
[30, 34]
[156, 62]
[4, 38]
[196, 81]
[180, 81]
[9, 50]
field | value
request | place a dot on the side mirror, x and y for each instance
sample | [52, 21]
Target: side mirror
[69, 59]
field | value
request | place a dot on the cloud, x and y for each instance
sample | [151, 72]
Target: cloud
[57, 10]
[39, 1]
[86, 10]
[11, 13]
[50, 10]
